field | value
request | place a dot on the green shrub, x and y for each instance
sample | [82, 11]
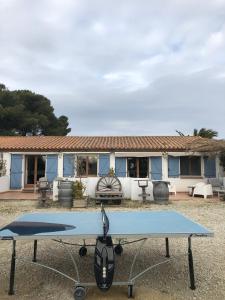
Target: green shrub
[2, 167]
[78, 189]
[111, 172]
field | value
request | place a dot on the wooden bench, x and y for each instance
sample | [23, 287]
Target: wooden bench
[108, 189]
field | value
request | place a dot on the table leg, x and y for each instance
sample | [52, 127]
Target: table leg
[167, 248]
[191, 265]
[35, 251]
[12, 270]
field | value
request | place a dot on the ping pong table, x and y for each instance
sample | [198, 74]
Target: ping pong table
[111, 231]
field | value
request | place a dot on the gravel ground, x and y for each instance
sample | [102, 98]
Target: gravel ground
[169, 281]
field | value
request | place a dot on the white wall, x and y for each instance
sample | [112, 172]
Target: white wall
[89, 182]
[130, 187]
[7, 158]
[5, 180]
[4, 183]
[182, 184]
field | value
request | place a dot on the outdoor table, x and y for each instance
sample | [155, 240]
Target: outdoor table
[191, 190]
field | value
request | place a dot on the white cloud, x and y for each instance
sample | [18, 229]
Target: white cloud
[127, 81]
[154, 67]
[99, 28]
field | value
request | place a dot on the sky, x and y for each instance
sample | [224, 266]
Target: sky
[120, 67]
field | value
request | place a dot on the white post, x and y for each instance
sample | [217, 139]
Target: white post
[60, 165]
[112, 160]
[164, 167]
[218, 169]
[202, 167]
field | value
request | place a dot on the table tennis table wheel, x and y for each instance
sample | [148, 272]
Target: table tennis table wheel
[130, 291]
[82, 251]
[118, 249]
[79, 293]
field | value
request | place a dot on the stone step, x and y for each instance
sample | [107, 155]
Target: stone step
[28, 190]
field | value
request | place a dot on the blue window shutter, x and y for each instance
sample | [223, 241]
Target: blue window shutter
[120, 166]
[173, 166]
[156, 168]
[68, 165]
[209, 167]
[16, 171]
[52, 167]
[104, 164]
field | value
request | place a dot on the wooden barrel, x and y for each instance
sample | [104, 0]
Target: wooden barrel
[161, 192]
[65, 193]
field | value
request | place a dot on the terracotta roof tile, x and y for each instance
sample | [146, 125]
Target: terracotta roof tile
[95, 143]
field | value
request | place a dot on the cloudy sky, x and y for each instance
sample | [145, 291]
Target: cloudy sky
[120, 67]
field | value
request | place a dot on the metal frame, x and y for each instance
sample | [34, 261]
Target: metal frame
[77, 282]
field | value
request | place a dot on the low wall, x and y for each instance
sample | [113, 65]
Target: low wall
[4, 184]
[130, 186]
[182, 184]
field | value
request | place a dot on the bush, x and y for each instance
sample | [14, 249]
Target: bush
[2, 167]
[78, 189]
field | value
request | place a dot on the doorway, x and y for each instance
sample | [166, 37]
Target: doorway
[34, 169]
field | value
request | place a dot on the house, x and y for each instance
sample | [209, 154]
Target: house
[88, 157]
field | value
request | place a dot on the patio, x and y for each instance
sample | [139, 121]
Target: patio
[169, 282]
[19, 195]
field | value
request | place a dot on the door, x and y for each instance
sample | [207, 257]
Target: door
[35, 168]
[52, 167]
[16, 171]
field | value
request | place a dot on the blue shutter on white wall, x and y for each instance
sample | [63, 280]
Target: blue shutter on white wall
[209, 167]
[16, 171]
[104, 164]
[68, 165]
[173, 166]
[156, 168]
[51, 167]
[120, 166]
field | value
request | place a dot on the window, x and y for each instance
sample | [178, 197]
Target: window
[86, 165]
[190, 166]
[137, 167]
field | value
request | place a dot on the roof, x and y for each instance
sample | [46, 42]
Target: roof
[94, 143]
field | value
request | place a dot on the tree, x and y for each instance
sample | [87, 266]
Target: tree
[207, 144]
[205, 133]
[23, 112]
[180, 133]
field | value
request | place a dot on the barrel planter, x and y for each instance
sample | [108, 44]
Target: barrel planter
[161, 192]
[65, 193]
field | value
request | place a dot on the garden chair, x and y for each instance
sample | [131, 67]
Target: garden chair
[203, 189]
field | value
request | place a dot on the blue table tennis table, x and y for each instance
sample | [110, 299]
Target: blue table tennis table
[111, 231]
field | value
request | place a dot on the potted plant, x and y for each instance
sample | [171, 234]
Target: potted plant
[79, 188]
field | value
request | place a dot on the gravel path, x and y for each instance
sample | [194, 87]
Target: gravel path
[169, 281]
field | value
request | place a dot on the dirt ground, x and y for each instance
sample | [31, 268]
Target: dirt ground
[168, 281]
